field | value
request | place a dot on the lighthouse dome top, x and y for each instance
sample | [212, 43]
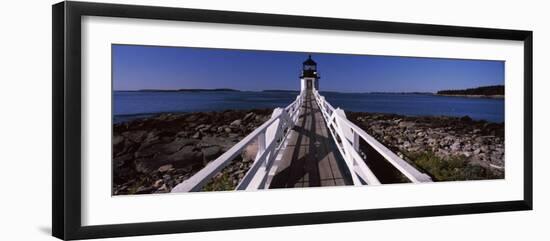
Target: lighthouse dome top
[309, 69]
[309, 61]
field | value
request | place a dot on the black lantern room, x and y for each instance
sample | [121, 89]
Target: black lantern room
[309, 69]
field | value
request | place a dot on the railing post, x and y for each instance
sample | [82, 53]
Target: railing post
[261, 144]
[356, 141]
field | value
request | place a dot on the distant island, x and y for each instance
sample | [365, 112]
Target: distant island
[494, 91]
[283, 91]
[403, 93]
[188, 90]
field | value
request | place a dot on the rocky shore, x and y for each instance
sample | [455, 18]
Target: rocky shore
[446, 148]
[152, 155]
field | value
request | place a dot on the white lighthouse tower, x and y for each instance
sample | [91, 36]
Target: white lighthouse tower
[310, 77]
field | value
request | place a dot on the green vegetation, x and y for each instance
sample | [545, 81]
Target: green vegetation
[222, 182]
[453, 169]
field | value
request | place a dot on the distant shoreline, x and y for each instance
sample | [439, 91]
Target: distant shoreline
[281, 91]
[330, 92]
[181, 90]
[493, 90]
[474, 96]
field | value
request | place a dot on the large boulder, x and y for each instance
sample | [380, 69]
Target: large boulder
[236, 123]
[186, 156]
[135, 136]
[222, 142]
[211, 152]
[250, 151]
[161, 148]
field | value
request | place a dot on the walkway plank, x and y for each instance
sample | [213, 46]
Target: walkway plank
[310, 158]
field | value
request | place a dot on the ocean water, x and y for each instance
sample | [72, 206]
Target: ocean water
[129, 104]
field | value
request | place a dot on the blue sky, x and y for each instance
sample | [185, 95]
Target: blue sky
[151, 67]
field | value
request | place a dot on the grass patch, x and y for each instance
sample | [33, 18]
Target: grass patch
[221, 182]
[455, 168]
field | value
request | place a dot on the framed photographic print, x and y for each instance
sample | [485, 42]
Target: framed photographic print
[170, 120]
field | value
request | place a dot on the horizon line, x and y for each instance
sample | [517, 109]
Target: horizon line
[280, 90]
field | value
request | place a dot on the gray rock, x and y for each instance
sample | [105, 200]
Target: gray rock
[135, 136]
[144, 190]
[188, 154]
[123, 159]
[163, 148]
[205, 128]
[199, 127]
[406, 124]
[250, 152]
[118, 140]
[152, 136]
[158, 183]
[165, 168]
[211, 152]
[455, 146]
[249, 116]
[222, 142]
[163, 189]
[236, 123]
[177, 144]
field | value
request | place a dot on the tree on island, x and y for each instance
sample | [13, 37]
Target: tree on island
[484, 91]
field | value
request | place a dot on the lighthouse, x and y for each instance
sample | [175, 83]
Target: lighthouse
[310, 77]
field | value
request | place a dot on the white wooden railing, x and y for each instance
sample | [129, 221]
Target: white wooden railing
[347, 137]
[270, 137]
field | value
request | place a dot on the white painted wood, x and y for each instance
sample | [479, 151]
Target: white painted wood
[257, 174]
[356, 141]
[271, 137]
[261, 144]
[267, 135]
[403, 166]
[259, 164]
[349, 135]
[197, 181]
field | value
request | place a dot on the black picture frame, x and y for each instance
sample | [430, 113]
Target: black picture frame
[66, 47]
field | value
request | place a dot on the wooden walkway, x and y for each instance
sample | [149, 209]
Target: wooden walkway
[311, 158]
